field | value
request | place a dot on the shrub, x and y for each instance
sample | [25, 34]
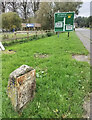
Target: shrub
[10, 21]
[49, 34]
[34, 37]
[43, 36]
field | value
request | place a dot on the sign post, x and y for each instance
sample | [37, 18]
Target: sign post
[64, 22]
[68, 34]
[58, 34]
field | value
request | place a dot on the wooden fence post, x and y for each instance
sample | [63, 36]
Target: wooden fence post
[36, 33]
[28, 34]
[15, 35]
[41, 32]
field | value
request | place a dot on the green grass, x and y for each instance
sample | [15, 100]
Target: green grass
[61, 89]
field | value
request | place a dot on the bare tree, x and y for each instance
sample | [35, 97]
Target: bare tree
[24, 11]
[35, 5]
[28, 8]
[3, 6]
[25, 8]
[13, 6]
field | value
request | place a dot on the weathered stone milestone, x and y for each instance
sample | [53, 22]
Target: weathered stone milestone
[21, 86]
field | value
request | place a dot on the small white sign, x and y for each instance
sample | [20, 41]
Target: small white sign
[69, 27]
[58, 25]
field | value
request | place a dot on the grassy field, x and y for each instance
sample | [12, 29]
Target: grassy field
[61, 82]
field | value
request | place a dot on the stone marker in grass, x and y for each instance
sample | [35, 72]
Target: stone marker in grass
[21, 86]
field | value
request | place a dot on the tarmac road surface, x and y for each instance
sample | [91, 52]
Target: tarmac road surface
[85, 36]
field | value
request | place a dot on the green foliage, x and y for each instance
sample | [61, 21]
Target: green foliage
[68, 6]
[84, 21]
[11, 20]
[49, 34]
[45, 13]
[61, 82]
[30, 20]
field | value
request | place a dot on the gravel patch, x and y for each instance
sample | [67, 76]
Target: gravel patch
[83, 58]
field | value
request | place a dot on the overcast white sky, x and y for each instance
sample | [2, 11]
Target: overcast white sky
[85, 9]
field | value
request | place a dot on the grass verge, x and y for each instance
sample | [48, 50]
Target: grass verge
[61, 82]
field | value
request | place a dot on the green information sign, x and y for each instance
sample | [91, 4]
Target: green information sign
[63, 21]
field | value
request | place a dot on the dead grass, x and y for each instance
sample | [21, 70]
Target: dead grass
[9, 52]
[39, 55]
